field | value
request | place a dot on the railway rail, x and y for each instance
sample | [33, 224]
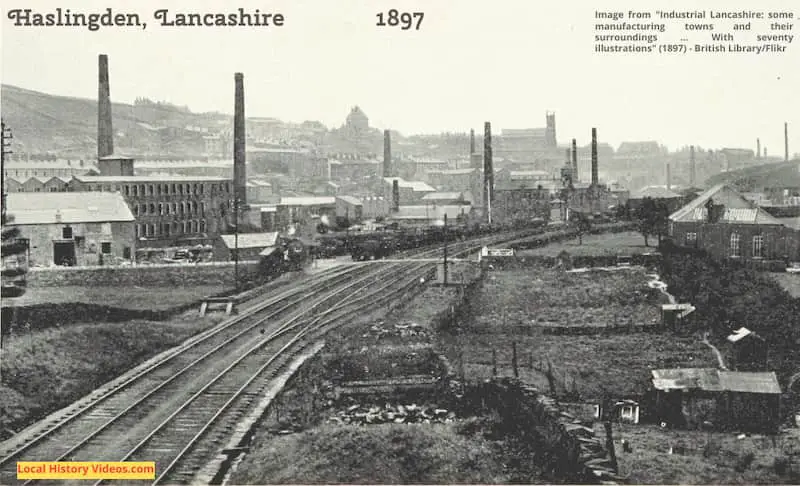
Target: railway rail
[177, 408]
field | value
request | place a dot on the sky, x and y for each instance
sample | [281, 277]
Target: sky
[471, 61]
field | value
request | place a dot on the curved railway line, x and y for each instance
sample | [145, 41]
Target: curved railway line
[178, 408]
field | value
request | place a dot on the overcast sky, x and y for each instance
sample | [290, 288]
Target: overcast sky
[504, 61]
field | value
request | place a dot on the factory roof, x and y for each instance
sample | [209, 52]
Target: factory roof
[68, 207]
[308, 201]
[152, 178]
[528, 174]
[430, 212]
[654, 192]
[351, 200]
[257, 183]
[737, 209]
[442, 196]
[453, 171]
[251, 240]
[416, 186]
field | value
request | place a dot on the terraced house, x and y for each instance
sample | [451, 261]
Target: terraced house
[728, 226]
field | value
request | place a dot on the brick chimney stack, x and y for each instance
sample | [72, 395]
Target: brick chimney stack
[692, 167]
[758, 148]
[387, 154]
[105, 132]
[575, 159]
[669, 178]
[471, 141]
[786, 141]
[488, 168]
[239, 142]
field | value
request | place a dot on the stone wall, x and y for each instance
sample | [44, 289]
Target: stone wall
[142, 275]
[570, 450]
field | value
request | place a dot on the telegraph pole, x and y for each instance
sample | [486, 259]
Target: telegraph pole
[445, 249]
[236, 240]
[5, 142]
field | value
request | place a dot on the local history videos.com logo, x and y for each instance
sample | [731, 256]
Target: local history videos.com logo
[86, 470]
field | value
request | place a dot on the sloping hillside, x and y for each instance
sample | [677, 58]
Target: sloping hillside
[783, 174]
[48, 123]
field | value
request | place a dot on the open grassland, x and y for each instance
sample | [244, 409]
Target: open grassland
[624, 243]
[516, 307]
[383, 454]
[46, 370]
[133, 298]
[707, 458]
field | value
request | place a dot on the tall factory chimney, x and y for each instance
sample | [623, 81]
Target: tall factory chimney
[594, 156]
[786, 141]
[758, 148]
[765, 151]
[692, 167]
[239, 142]
[488, 169]
[669, 178]
[387, 154]
[395, 196]
[105, 132]
[575, 159]
[471, 141]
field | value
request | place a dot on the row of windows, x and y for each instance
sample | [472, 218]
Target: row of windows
[164, 209]
[166, 189]
[735, 247]
[171, 229]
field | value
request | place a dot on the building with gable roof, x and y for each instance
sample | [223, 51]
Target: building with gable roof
[727, 225]
[74, 228]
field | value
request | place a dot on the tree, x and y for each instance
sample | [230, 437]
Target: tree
[652, 218]
[582, 225]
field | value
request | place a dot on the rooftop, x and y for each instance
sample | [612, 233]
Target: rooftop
[251, 240]
[152, 178]
[308, 201]
[737, 209]
[68, 207]
[654, 192]
[351, 200]
[712, 379]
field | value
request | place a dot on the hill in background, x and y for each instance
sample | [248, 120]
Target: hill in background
[67, 126]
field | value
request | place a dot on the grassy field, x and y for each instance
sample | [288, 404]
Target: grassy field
[382, 454]
[789, 281]
[702, 458]
[135, 298]
[46, 370]
[514, 306]
[625, 243]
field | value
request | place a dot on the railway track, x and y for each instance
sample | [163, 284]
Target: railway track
[177, 409]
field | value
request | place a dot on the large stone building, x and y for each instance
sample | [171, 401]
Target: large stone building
[169, 210]
[67, 228]
[357, 122]
[728, 226]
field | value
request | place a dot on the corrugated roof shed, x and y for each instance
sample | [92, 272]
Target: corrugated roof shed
[251, 240]
[712, 379]
[68, 207]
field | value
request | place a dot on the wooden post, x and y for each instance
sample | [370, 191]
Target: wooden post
[494, 362]
[612, 454]
[461, 364]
